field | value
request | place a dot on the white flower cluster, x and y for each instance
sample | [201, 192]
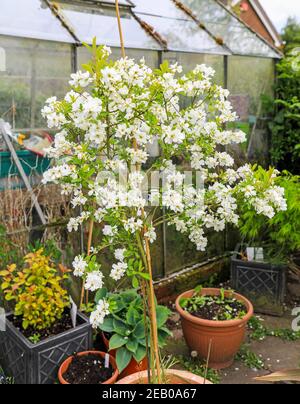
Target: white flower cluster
[98, 316]
[106, 125]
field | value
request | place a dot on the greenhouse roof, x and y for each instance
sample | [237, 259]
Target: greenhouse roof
[198, 26]
[239, 38]
[31, 19]
[179, 30]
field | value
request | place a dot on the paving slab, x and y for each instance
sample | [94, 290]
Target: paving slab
[276, 353]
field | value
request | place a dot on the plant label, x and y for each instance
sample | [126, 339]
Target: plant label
[255, 254]
[74, 310]
[2, 320]
[107, 360]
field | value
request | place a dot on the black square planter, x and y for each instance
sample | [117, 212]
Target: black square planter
[264, 284]
[29, 363]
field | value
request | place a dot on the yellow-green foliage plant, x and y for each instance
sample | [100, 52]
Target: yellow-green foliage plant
[37, 290]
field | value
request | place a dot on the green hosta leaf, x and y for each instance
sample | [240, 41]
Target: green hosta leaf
[139, 331]
[120, 327]
[101, 294]
[140, 353]
[163, 335]
[123, 358]
[107, 325]
[132, 345]
[132, 316]
[162, 315]
[117, 341]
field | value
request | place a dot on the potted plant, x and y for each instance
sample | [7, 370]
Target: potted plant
[90, 367]
[214, 323]
[113, 112]
[40, 332]
[259, 265]
[124, 330]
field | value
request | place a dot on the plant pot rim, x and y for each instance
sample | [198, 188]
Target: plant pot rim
[31, 345]
[65, 365]
[183, 374]
[211, 323]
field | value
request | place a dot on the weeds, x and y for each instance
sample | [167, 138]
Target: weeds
[259, 332]
[194, 366]
[250, 359]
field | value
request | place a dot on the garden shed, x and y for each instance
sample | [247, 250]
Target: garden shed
[42, 44]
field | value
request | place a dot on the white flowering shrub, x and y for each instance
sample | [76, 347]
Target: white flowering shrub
[106, 123]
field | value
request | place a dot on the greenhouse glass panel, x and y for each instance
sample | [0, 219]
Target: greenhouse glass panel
[35, 70]
[248, 79]
[180, 31]
[90, 21]
[31, 19]
[151, 57]
[183, 35]
[240, 39]
[190, 60]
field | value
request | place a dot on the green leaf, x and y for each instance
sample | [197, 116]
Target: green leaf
[144, 275]
[107, 325]
[162, 337]
[132, 316]
[123, 358]
[140, 354]
[101, 294]
[162, 315]
[139, 331]
[120, 327]
[135, 282]
[117, 341]
[132, 345]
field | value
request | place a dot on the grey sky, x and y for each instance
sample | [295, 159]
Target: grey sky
[280, 10]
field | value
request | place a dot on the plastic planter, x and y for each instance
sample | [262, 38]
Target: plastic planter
[29, 161]
[217, 342]
[263, 283]
[29, 363]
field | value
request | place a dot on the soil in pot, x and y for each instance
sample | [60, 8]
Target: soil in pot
[59, 327]
[215, 308]
[88, 369]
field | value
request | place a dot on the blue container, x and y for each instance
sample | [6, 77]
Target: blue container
[31, 163]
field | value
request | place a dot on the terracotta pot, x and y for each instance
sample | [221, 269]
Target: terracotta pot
[106, 343]
[65, 366]
[174, 377]
[133, 366]
[222, 338]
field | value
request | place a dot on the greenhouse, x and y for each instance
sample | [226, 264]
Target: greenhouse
[43, 45]
[219, 218]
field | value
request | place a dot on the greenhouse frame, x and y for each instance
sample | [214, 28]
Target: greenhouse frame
[42, 44]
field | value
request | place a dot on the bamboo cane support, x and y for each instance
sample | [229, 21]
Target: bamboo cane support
[89, 246]
[151, 303]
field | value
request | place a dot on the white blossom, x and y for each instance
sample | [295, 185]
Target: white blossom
[97, 317]
[79, 265]
[118, 271]
[94, 281]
